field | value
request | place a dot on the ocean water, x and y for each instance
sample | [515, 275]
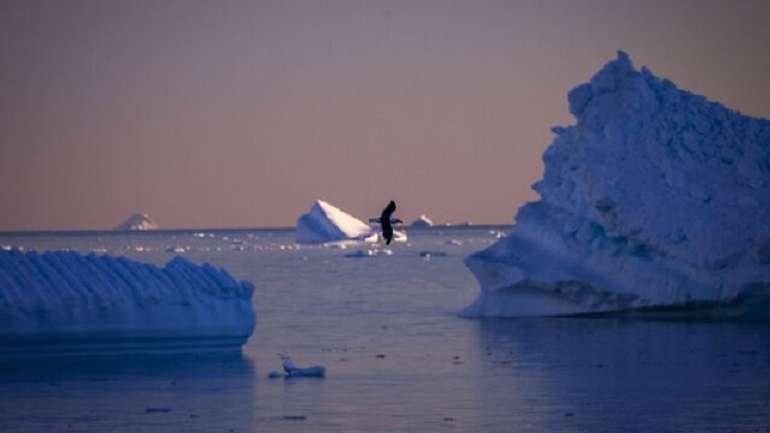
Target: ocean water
[398, 357]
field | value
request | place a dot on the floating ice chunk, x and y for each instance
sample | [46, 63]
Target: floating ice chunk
[433, 254]
[647, 201]
[454, 242]
[340, 245]
[293, 371]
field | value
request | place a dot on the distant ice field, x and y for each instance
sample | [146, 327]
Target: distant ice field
[398, 356]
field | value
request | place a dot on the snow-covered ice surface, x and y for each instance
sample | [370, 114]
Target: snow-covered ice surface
[655, 199]
[327, 223]
[66, 301]
[438, 372]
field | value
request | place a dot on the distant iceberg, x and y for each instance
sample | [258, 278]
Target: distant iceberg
[656, 199]
[58, 298]
[422, 222]
[326, 223]
[138, 221]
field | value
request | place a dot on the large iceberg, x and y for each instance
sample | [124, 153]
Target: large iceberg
[656, 199]
[64, 299]
[138, 222]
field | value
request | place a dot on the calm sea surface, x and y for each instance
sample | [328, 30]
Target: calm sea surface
[398, 358]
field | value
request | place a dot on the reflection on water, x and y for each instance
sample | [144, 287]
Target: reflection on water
[153, 392]
[631, 375]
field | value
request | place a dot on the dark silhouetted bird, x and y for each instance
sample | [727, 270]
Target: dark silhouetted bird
[386, 222]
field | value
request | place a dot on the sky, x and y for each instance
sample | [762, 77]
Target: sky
[242, 113]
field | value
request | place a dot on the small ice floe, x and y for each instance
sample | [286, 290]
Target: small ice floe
[370, 253]
[199, 234]
[177, 249]
[340, 245]
[293, 371]
[100, 250]
[7, 247]
[454, 242]
[238, 245]
[429, 254]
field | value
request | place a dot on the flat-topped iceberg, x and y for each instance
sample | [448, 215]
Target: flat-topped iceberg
[655, 199]
[138, 222]
[59, 298]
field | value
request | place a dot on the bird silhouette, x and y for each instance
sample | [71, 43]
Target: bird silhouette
[386, 222]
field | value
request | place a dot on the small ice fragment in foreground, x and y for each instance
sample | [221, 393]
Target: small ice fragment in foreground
[294, 371]
[429, 254]
[454, 242]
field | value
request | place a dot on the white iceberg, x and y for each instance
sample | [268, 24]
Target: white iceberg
[104, 301]
[655, 199]
[422, 222]
[138, 221]
[326, 223]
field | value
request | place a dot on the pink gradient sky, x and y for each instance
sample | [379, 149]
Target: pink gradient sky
[241, 113]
